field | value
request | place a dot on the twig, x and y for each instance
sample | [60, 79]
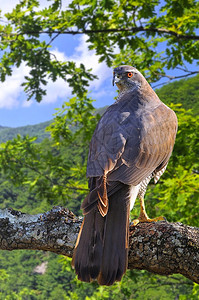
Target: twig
[174, 77]
[115, 30]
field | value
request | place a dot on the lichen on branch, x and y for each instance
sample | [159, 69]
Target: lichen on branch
[162, 248]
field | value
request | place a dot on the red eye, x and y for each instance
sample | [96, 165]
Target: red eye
[130, 74]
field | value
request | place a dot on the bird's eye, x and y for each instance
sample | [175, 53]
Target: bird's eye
[130, 74]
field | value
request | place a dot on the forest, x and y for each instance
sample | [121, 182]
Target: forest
[45, 165]
[175, 197]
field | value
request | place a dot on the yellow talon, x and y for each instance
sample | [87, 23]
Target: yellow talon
[143, 218]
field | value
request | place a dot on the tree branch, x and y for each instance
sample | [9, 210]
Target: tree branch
[170, 77]
[189, 73]
[115, 30]
[163, 248]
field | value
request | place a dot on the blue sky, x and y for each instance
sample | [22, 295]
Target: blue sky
[16, 111]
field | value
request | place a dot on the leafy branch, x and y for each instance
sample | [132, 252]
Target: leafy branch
[131, 30]
[166, 39]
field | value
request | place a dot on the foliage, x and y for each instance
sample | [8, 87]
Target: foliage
[50, 172]
[19, 280]
[137, 28]
[75, 121]
[37, 175]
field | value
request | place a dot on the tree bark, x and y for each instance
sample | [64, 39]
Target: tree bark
[162, 248]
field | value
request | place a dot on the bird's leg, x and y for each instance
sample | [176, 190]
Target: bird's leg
[143, 215]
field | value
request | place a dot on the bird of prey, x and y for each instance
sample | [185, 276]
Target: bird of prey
[131, 144]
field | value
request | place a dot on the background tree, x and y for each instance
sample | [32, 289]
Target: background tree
[152, 35]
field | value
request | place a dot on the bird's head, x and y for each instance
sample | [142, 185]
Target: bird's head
[127, 77]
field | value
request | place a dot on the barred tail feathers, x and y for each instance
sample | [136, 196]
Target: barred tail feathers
[102, 247]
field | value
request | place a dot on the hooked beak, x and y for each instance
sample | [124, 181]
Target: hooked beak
[113, 78]
[116, 78]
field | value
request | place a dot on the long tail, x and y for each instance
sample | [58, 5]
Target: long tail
[102, 247]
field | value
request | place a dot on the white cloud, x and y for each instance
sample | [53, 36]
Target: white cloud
[60, 88]
[82, 54]
[12, 94]
[89, 58]
[55, 90]
[26, 103]
[11, 88]
[7, 6]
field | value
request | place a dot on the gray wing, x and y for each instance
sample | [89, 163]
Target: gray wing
[130, 143]
[109, 139]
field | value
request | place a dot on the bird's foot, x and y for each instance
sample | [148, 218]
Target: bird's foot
[146, 219]
[143, 217]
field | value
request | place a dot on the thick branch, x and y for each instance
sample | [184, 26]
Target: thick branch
[115, 30]
[163, 248]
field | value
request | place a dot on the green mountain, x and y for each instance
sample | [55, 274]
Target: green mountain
[8, 133]
[184, 91]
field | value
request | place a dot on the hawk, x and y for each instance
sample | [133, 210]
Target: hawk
[131, 144]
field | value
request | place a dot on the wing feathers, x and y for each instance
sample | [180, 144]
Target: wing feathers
[136, 143]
